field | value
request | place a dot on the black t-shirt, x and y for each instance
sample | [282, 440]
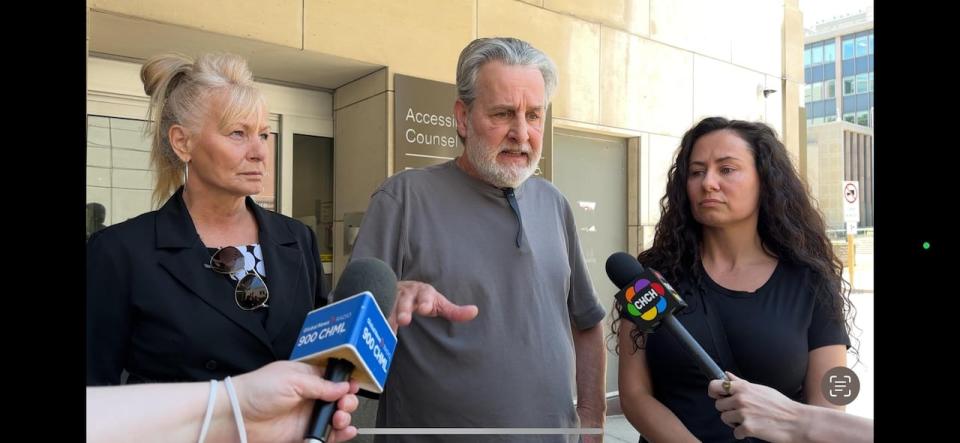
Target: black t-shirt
[770, 333]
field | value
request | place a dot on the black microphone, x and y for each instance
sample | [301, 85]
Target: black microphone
[350, 335]
[647, 300]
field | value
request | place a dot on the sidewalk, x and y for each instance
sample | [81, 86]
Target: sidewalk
[618, 430]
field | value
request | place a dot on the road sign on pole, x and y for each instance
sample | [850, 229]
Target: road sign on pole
[851, 202]
[851, 216]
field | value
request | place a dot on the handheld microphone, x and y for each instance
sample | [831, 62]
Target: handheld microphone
[350, 336]
[647, 300]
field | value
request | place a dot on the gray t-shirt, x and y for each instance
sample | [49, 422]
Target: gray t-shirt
[513, 366]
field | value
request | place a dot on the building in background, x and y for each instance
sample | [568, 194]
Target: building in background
[838, 95]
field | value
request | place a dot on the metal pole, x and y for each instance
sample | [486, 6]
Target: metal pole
[851, 255]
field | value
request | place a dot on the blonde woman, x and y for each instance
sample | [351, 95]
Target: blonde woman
[210, 284]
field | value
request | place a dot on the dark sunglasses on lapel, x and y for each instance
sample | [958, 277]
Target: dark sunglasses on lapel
[251, 292]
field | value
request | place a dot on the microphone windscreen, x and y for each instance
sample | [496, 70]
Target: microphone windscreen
[368, 274]
[623, 268]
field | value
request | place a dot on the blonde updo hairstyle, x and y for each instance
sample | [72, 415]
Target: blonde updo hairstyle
[181, 92]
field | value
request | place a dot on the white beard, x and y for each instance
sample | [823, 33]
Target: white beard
[484, 160]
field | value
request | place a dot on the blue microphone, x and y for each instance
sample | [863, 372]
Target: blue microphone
[350, 336]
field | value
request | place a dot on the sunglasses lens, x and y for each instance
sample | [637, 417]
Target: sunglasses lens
[251, 292]
[227, 260]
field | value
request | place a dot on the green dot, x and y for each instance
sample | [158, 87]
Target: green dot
[926, 245]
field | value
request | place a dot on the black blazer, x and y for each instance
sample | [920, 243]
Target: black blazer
[156, 311]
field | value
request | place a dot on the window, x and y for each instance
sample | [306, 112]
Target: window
[848, 67]
[848, 86]
[816, 55]
[815, 109]
[870, 76]
[816, 73]
[830, 118]
[119, 177]
[829, 51]
[817, 91]
[862, 83]
[863, 102]
[863, 118]
[861, 45]
[807, 93]
[817, 120]
[806, 57]
[849, 104]
[830, 89]
[870, 44]
[847, 47]
[829, 71]
[830, 108]
[849, 117]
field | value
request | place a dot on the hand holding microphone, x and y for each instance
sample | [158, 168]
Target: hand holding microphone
[278, 399]
[275, 402]
[350, 336]
[648, 301]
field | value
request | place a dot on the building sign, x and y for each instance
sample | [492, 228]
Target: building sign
[425, 129]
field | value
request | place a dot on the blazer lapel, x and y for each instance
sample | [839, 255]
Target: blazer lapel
[185, 258]
[286, 272]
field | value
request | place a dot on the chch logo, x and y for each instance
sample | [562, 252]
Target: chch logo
[642, 295]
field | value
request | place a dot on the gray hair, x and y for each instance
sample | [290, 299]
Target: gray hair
[507, 50]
